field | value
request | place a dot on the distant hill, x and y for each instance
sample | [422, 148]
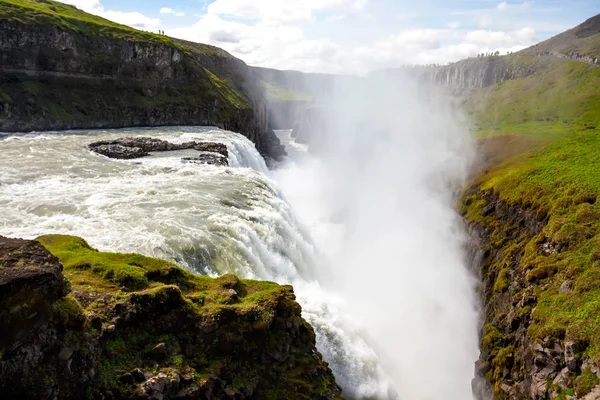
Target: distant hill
[581, 43]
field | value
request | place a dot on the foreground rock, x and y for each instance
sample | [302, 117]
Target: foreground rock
[30, 281]
[137, 147]
[140, 328]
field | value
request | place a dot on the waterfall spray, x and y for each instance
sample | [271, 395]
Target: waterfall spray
[379, 189]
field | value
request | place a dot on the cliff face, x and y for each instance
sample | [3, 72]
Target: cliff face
[475, 74]
[520, 356]
[56, 76]
[127, 326]
[470, 74]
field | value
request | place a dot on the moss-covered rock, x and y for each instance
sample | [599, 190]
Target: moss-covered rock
[137, 327]
[535, 218]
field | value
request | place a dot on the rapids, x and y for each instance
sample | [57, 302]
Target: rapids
[210, 220]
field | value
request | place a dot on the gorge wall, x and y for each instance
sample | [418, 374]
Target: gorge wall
[63, 73]
[521, 359]
[469, 74]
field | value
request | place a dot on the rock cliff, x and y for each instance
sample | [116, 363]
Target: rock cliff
[77, 323]
[537, 259]
[469, 74]
[61, 69]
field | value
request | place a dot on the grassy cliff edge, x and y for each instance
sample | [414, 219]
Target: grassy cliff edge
[136, 327]
[532, 207]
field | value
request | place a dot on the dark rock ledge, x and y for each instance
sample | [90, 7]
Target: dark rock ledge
[136, 147]
[76, 324]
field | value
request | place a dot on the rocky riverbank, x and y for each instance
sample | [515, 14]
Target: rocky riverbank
[78, 323]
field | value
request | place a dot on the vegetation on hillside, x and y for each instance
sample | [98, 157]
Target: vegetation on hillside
[562, 96]
[154, 316]
[104, 86]
[540, 139]
[69, 17]
[281, 93]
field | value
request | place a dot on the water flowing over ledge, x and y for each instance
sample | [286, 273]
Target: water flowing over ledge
[211, 220]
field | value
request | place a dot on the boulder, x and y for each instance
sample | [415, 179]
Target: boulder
[30, 281]
[567, 286]
[208, 158]
[136, 147]
[212, 147]
[119, 151]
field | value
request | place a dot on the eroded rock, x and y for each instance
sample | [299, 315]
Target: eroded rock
[155, 331]
[30, 281]
[136, 147]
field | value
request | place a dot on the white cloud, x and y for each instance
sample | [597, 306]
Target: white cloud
[267, 33]
[336, 18]
[133, 19]
[441, 46]
[286, 12]
[167, 10]
[405, 16]
[275, 34]
[523, 36]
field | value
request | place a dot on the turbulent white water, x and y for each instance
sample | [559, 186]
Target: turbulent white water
[378, 196]
[212, 220]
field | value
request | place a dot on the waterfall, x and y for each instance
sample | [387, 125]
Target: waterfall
[208, 219]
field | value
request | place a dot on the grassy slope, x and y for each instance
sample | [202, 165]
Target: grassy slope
[285, 94]
[164, 295]
[562, 96]
[542, 135]
[69, 17]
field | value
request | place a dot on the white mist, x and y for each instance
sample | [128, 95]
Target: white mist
[378, 195]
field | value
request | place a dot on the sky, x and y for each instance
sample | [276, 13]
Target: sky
[351, 36]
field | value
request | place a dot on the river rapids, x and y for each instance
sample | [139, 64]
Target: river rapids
[210, 220]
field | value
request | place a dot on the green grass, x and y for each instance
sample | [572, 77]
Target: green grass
[560, 97]
[280, 93]
[225, 90]
[540, 140]
[91, 271]
[212, 328]
[68, 17]
[561, 181]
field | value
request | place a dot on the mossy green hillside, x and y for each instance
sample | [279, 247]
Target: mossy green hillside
[559, 184]
[533, 200]
[122, 274]
[68, 17]
[554, 175]
[560, 97]
[218, 331]
[281, 93]
[227, 92]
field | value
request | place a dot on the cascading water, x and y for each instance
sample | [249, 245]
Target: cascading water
[377, 191]
[212, 220]
[376, 263]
